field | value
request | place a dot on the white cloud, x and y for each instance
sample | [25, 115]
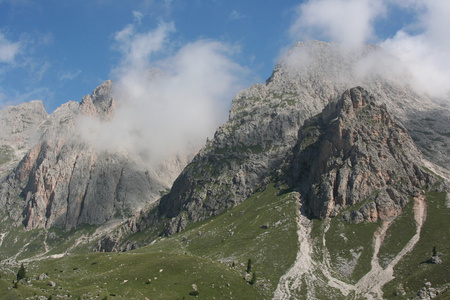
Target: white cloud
[8, 49]
[348, 22]
[427, 54]
[423, 44]
[172, 108]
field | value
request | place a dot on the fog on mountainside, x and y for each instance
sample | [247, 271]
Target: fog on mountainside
[167, 106]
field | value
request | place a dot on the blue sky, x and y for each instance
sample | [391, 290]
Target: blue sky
[60, 50]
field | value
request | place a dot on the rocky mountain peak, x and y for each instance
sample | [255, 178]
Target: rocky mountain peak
[355, 151]
[100, 103]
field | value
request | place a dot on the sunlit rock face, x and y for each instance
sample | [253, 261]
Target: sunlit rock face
[355, 151]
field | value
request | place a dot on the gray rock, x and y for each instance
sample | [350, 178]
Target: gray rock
[436, 260]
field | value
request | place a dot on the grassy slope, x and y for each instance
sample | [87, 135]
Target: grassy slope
[213, 255]
[31, 243]
[412, 272]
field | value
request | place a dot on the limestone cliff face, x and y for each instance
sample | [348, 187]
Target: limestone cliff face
[264, 121]
[63, 181]
[370, 161]
[355, 151]
[19, 130]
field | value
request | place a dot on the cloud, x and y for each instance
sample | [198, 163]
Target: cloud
[427, 54]
[235, 15]
[8, 49]
[68, 76]
[138, 16]
[168, 100]
[348, 22]
[422, 44]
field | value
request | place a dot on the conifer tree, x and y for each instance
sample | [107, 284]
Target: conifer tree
[21, 274]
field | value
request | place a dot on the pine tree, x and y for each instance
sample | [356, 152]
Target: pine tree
[21, 274]
[249, 266]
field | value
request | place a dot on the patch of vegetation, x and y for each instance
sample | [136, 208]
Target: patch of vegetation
[413, 270]
[447, 134]
[350, 247]
[398, 234]
[237, 235]
[6, 154]
[213, 255]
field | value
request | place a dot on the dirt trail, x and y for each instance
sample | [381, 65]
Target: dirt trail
[369, 286]
[2, 236]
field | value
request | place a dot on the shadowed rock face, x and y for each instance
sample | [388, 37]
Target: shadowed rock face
[355, 151]
[64, 182]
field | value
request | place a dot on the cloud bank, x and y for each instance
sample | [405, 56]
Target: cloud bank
[423, 44]
[166, 104]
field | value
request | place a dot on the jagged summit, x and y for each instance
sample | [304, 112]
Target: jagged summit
[100, 103]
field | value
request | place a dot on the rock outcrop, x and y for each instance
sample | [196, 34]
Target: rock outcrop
[354, 152]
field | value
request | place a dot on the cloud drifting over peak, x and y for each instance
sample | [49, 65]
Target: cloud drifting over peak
[425, 50]
[348, 22]
[170, 104]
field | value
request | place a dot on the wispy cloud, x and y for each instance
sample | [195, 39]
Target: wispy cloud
[235, 15]
[138, 16]
[8, 49]
[166, 103]
[68, 76]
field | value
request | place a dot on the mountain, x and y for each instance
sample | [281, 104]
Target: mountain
[329, 180]
[251, 148]
[52, 177]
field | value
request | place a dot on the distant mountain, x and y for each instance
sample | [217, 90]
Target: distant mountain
[63, 181]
